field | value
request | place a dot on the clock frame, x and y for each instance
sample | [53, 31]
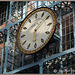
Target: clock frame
[53, 29]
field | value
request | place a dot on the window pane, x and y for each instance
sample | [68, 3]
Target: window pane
[63, 31]
[63, 24]
[63, 39]
[67, 22]
[72, 37]
[71, 28]
[67, 37]
[67, 30]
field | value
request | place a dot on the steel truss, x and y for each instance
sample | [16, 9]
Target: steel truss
[13, 60]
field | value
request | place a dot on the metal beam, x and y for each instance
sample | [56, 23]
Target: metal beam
[41, 68]
[42, 3]
[6, 52]
[22, 68]
[60, 47]
[59, 54]
[10, 11]
[9, 25]
[60, 33]
[41, 61]
[73, 6]
[36, 5]
[54, 4]
[26, 9]
[23, 59]
[56, 37]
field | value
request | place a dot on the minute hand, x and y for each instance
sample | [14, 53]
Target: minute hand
[40, 23]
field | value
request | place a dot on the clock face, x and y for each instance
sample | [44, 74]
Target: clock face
[36, 30]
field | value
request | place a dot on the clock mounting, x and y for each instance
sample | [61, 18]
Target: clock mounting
[36, 30]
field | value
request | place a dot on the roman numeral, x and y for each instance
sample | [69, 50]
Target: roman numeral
[23, 42]
[49, 24]
[47, 32]
[42, 14]
[42, 40]
[47, 17]
[29, 20]
[28, 46]
[22, 36]
[35, 45]
[24, 28]
[35, 15]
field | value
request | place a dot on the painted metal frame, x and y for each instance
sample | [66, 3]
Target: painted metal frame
[73, 5]
[9, 25]
[60, 47]
[40, 63]
[6, 52]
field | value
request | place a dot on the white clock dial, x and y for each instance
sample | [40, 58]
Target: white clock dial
[36, 30]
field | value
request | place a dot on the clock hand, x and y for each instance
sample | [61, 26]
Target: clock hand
[35, 30]
[40, 23]
[34, 35]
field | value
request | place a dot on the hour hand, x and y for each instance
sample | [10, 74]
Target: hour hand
[34, 39]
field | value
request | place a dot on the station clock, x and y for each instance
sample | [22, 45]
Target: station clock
[36, 30]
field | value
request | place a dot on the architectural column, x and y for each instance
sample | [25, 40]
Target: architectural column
[60, 47]
[26, 9]
[10, 10]
[41, 68]
[42, 3]
[36, 5]
[23, 59]
[73, 6]
[8, 33]
[6, 51]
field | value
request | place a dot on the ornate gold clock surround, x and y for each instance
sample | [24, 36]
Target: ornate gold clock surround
[54, 24]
